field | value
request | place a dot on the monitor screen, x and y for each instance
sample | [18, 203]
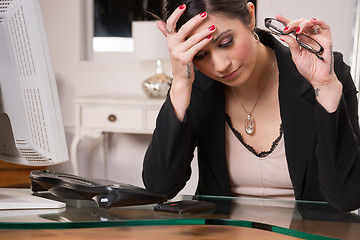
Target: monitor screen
[31, 127]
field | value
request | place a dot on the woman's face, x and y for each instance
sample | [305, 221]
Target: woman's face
[230, 57]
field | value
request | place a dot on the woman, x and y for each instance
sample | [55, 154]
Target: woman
[268, 121]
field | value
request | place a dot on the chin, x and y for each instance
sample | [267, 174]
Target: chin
[235, 82]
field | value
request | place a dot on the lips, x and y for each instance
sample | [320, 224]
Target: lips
[231, 75]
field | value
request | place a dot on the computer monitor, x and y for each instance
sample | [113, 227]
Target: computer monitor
[31, 127]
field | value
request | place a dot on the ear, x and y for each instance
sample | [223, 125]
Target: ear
[251, 8]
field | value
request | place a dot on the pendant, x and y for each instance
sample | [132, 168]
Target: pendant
[249, 124]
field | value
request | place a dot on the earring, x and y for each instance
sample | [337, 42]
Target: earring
[256, 37]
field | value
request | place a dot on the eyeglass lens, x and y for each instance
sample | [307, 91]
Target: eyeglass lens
[308, 43]
[275, 26]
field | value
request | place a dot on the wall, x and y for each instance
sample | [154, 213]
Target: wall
[65, 28]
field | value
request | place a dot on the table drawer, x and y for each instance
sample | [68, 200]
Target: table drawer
[116, 118]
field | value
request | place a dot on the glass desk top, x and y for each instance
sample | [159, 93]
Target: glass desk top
[301, 219]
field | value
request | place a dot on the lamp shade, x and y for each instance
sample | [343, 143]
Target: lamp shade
[149, 42]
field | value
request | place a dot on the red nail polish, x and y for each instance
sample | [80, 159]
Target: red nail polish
[314, 19]
[208, 37]
[203, 14]
[298, 30]
[182, 6]
[286, 28]
[212, 28]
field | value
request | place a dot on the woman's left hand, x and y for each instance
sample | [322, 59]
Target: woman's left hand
[320, 73]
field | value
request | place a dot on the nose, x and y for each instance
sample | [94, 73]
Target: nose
[221, 63]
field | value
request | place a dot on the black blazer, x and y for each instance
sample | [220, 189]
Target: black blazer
[322, 149]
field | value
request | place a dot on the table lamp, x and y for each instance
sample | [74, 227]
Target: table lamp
[150, 45]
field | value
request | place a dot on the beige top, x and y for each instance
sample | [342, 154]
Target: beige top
[252, 176]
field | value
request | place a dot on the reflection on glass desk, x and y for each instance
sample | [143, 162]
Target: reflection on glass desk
[295, 219]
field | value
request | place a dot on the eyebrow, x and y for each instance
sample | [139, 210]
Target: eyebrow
[217, 38]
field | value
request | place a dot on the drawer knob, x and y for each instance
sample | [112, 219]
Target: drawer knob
[112, 118]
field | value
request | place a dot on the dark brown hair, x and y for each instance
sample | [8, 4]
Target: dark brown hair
[231, 8]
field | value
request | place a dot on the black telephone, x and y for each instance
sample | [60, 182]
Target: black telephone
[105, 193]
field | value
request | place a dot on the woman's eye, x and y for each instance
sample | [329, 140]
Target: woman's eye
[226, 43]
[200, 56]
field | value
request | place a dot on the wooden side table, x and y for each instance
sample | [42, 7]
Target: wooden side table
[13, 175]
[101, 114]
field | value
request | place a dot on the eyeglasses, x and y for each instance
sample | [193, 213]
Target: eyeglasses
[276, 27]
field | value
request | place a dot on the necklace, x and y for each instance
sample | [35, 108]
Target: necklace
[249, 122]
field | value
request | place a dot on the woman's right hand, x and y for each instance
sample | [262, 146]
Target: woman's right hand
[183, 46]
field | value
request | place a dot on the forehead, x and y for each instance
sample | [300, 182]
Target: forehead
[221, 22]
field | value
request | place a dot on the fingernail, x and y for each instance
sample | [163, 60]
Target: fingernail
[314, 19]
[285, 29]
[212, 28]
[298, 30]
[182, 6]
[208, 37]
[203, 14]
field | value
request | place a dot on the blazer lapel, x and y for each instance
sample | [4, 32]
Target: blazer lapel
[211, 128]
[296, 98]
